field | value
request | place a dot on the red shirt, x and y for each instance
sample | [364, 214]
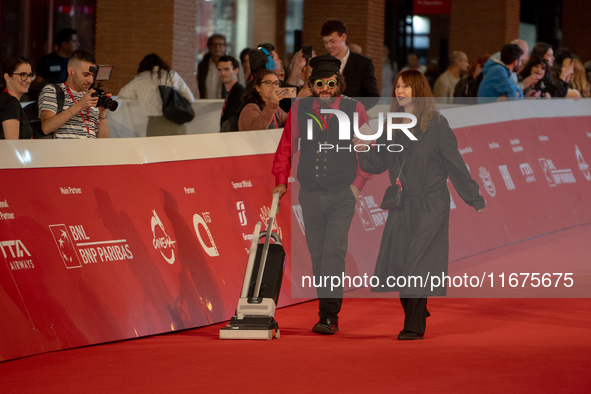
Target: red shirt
[282, 160]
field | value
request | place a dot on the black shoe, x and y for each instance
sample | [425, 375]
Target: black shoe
[406, 335]
[326, 327]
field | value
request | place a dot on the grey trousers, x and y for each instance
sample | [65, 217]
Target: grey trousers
[327, 219]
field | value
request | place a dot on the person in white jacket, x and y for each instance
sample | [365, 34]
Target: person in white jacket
[152, 72]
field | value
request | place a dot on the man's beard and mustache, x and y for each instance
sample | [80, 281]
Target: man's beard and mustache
[326, 101]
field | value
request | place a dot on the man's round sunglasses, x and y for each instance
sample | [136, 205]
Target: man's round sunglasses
[331, 83]
[24, 76]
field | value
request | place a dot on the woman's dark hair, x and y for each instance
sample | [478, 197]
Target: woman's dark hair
[250, 94]
[243, 54]
[425, 109]
[9, 65]
[540, 49]
[152, 60]
[533, 61]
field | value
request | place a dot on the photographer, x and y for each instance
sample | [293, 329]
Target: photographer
[80, 117]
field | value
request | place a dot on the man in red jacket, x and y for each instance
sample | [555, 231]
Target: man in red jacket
[330, 179]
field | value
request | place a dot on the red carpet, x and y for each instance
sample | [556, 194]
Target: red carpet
[471, 345]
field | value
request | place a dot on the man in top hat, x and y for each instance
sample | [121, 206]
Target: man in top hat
[330, 179]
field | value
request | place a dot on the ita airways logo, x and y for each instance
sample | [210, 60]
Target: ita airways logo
[65, 246]
[584, 167]
[16, 254]
[202, 221]
[162, 241]
[487, 181]
[527, 172]
[241, 213]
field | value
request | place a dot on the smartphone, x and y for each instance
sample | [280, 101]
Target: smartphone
[307, 53]
[291, 92]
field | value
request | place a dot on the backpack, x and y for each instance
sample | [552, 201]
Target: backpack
[32, 112]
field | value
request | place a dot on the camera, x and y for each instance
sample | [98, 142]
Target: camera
[103, 73]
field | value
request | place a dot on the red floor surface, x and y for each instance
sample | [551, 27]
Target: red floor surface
[471, 345]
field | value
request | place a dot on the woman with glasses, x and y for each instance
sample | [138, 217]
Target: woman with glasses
[17, 76]
[261, 103]
[415, 238]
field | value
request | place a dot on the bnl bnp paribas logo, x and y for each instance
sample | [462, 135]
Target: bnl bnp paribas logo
[364, 133]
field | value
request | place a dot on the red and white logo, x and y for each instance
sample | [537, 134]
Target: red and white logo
[65, 246]
[487, 181]
[527, 172]
[16, 253]
[162, 242]
[201, 221]
[584, 167]
[507, 177]
[241, 213]
[555, 176]
[297, 211]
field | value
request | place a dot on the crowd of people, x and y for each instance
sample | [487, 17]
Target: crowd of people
[250, 100]
[258, 90]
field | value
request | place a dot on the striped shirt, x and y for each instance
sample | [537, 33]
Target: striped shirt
[75, 127]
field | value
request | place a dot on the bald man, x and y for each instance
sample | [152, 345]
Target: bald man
[446, 83]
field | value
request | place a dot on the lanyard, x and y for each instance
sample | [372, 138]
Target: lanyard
[275, 121]
[81, 114]
[224, 106]
[8, 91]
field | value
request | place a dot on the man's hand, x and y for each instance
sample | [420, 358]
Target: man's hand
[281, 189]
[566, 72]
[480, 210]
[87, 101]
[298, 63]
[356, 192]
[532, 80]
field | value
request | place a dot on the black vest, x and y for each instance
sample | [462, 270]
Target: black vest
[332, 169]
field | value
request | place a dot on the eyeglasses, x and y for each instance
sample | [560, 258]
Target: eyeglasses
[24, 76]
[331, 83]
[271, 83]
[217, 44]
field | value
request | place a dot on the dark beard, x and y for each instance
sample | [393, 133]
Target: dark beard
[326, 101]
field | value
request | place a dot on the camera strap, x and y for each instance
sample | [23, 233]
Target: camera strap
[81, 113]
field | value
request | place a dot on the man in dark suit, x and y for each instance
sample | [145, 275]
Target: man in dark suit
[357, 69]
[208, 80]
[228, 69]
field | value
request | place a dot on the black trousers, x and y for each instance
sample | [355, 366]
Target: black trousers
[415, 314]
[327, 219]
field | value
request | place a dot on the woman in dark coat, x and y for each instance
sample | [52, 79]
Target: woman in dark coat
[415, 239]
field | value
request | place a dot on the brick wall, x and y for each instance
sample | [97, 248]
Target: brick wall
[264, 22]
[128, 30]
[575, 27]
[364, 21]
[479, 27]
